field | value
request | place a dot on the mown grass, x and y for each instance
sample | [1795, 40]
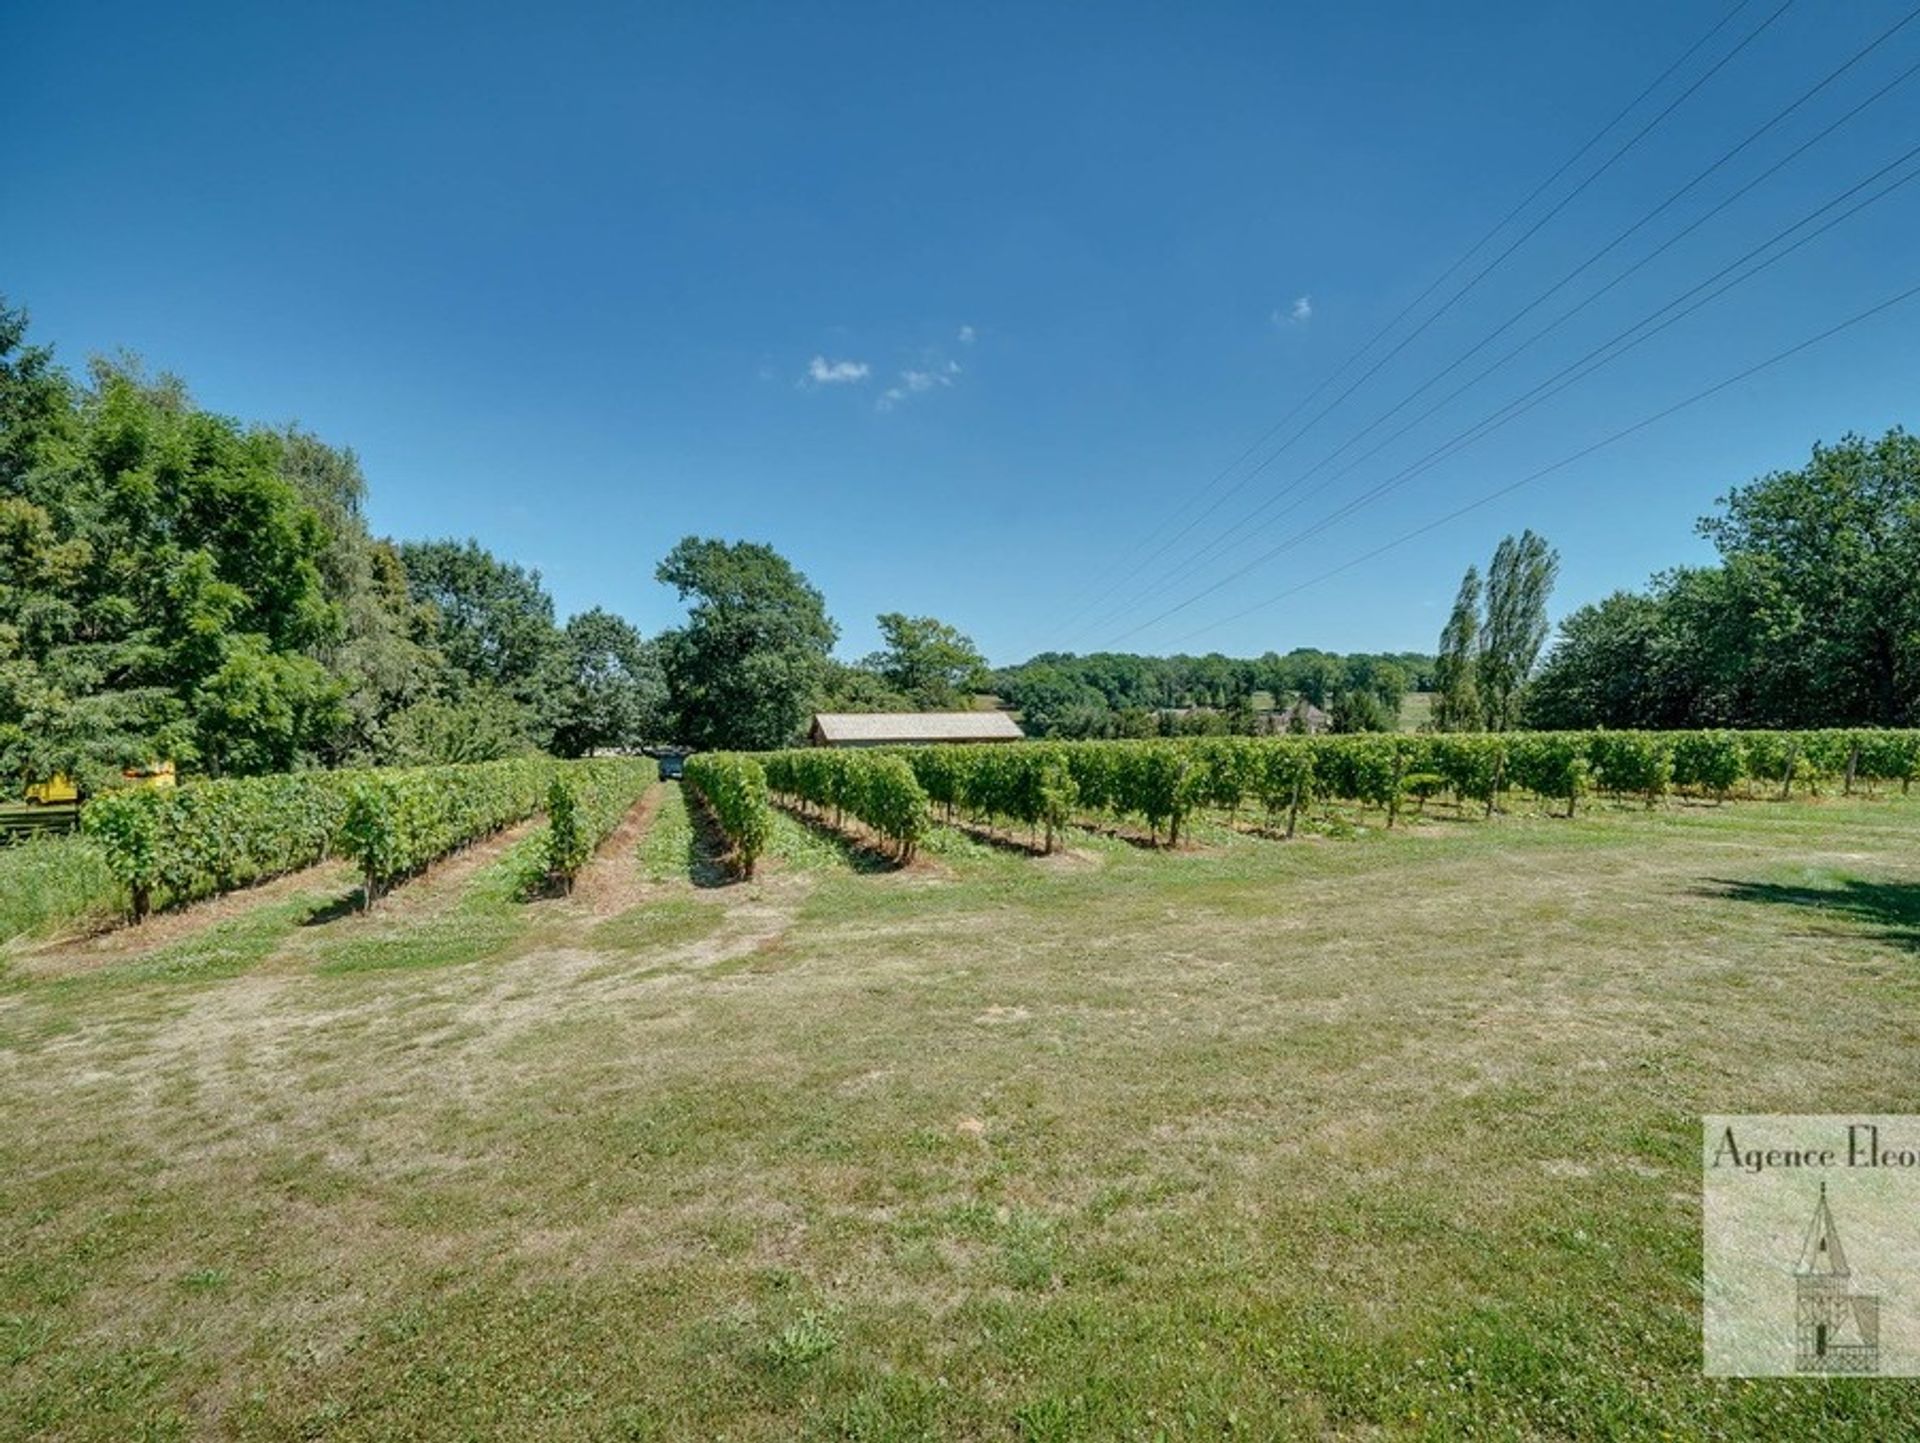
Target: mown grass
[657, 924]
[1392, 1136]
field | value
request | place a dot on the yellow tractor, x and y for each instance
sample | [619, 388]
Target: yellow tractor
[56, 790]
[158, 775]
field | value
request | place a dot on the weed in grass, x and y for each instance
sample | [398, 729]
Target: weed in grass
[50, 883]
[807, 1339]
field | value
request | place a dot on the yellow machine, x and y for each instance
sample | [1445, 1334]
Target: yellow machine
[158, 775]
[55, 790]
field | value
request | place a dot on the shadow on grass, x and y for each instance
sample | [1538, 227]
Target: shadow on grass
[707, 848]
[986, 836]
[348, 904]
[1114, 832]
[857, 854]
[1892, 908]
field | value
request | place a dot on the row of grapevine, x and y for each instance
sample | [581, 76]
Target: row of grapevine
[398, 822]
[878, 789]
[734, 789]
[585, 803]
[213, 837]
[1042, 785]
[202, 840]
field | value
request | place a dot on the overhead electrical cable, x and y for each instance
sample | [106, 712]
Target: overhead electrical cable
[1125, 567]
[1560, 465]
[1669, 314]
[1214, 547]
[1227, 539]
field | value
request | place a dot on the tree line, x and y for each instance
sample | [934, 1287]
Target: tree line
[176, 585]
[1120, 694]
[1811, 618]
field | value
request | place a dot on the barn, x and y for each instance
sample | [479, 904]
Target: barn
[911, 729]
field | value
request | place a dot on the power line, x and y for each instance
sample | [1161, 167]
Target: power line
[1572, 373]
[1541, 393]
[1215, 546]
[1560, 465]
[1438, 281]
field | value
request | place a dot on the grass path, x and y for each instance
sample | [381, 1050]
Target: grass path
[1391, 1136]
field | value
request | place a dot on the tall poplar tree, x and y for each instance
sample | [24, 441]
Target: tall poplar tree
[1518, 585]
[1457, 708]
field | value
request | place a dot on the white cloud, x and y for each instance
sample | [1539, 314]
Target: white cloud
[1298, 314]
[915, 382]
[822, 372]
[966, 335]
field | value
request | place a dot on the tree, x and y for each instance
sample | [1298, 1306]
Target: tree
[1051, 699]
[1838, 545]
[609, 690]
[1518, 585]
[484, 725]
[1811, 618]
[492, 620]
[1603, 667]
[851, 688]
[1457, 708]
[162, 596]
[929, 662]
[749, 665]
[1356, 710]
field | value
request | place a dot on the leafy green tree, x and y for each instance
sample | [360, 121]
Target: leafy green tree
[609, 691]
[492, 619]
[382, 652]
[1811, 619]
[1457, 708]
[749, 665]
[483, 725]
[1051, 700]
[163, 592]
[1518, 585]
[932, 664]
[1359, 710]
[1604, 669]
[849, 688]
[1838, 544]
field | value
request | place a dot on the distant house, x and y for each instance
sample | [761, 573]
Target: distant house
[1302, 716]
[907, 729]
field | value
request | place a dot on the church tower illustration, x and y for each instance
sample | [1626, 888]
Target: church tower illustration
[1835, 1330]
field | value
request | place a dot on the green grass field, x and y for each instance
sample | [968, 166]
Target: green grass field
[1376, 1136]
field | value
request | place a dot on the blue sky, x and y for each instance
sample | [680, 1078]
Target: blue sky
[957, 306]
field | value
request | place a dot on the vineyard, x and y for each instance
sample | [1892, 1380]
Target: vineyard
[163, 849]
[732, 1147]
[1046, 787]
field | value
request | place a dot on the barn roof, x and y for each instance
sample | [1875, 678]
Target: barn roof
[916, 726]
